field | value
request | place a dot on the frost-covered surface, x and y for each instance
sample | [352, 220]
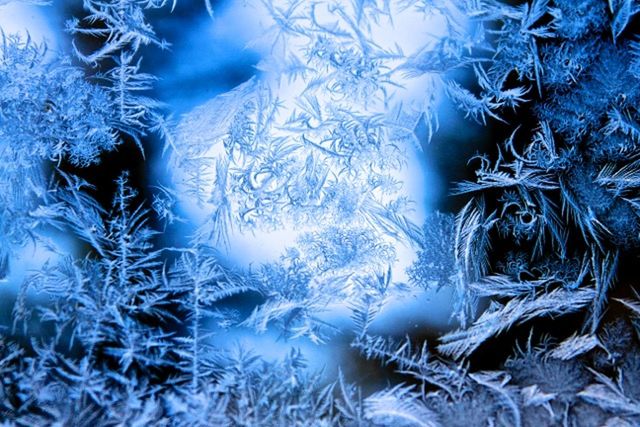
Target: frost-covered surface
[132, 325]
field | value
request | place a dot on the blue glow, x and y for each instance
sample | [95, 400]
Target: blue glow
[317, 213]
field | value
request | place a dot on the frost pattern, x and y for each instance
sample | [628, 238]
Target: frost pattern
[124, 332]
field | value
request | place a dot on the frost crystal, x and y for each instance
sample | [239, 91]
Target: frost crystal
[130, 325]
